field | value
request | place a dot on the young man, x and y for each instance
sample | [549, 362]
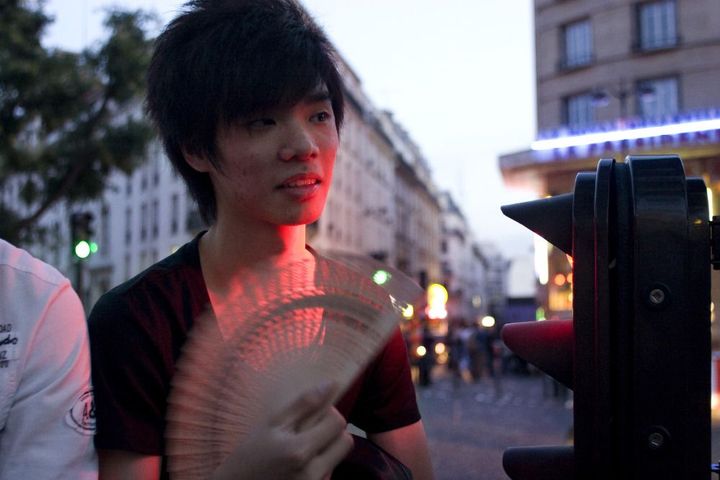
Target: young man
[248, 103]
[47, 420]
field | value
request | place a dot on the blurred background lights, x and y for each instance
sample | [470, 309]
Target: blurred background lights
[488, 321]
[541, 248]
[381, 277]
[437, 297]
[710, 202]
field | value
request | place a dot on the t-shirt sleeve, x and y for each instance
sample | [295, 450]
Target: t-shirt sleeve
[130, 377]
[387, 399]
[49, 429]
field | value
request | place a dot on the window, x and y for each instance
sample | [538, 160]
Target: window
[577, 44]
[579, 110]
[156, 171]
[143, 178]
[660, 98]
[128, 226]
[657, 25]
[104, 231]
[127, 266]
[143, 223]
[175, 214]
[155, 218]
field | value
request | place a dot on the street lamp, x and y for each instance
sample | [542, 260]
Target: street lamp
[601, 95]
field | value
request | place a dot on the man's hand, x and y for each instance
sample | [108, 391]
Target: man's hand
[304, 441]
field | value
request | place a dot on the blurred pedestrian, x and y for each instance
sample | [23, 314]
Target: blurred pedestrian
[476, 351]
[47, 416]
[427, 360]
[453, 344]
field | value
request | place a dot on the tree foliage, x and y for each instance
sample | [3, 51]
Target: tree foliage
[67, 120]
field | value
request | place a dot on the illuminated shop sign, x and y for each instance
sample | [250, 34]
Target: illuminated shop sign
[689, 131]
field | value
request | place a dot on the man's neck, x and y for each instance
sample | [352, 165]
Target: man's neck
[226, 252]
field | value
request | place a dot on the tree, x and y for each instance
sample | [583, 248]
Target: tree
[67, 120]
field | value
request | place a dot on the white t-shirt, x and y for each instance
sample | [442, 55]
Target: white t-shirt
[47, 417]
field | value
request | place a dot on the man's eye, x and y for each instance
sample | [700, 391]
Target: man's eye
[261, 123]
[322, 117]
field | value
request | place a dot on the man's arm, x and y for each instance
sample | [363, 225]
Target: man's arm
[50, 425]
[409, 445]
[122, 465]
[280, 449]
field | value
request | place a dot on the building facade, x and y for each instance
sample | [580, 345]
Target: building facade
[617, 78]
[383, 203]
[464, 265]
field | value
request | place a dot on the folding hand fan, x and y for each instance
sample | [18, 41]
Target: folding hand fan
[275, 337]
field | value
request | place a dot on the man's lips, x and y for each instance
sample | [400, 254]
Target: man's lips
[301, 181]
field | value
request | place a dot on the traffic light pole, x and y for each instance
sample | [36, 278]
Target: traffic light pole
[637, 351]
[79, 287]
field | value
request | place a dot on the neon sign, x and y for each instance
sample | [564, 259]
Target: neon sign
[626, 134]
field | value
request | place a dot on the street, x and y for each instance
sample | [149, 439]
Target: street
[469, 426]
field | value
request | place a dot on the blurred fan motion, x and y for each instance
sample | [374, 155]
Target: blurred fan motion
[273, 336]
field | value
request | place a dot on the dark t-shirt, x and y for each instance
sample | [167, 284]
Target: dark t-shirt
[137, 331]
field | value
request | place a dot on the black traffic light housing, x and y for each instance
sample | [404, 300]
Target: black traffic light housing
[637, 351]
[81, 230]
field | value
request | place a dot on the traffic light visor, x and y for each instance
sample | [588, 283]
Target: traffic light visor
[551, 218]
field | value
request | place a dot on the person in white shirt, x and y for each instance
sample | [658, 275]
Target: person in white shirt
[47, 417]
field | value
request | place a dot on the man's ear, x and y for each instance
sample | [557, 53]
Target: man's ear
[196, 161]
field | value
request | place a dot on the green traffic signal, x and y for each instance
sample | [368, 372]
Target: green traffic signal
[83, 249]
[81, 231]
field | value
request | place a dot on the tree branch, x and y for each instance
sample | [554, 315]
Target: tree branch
[70, 178]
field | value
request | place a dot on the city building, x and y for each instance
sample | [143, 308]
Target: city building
[464, 267]
[617, 78]
[416, 207]
[383, 203]
[359, 213]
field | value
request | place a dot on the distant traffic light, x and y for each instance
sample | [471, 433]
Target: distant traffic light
[637, 351]
[82, 232]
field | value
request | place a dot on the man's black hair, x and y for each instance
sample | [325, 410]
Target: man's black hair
[222, 60]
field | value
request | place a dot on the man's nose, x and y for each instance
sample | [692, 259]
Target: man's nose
[299, 143]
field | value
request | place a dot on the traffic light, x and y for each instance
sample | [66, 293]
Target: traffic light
[81, 232]
[637, 350]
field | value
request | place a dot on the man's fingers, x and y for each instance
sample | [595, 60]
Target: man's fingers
[305, 407]
[322, 465]
[320, 435]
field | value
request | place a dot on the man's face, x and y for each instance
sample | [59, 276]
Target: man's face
[276, 166]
